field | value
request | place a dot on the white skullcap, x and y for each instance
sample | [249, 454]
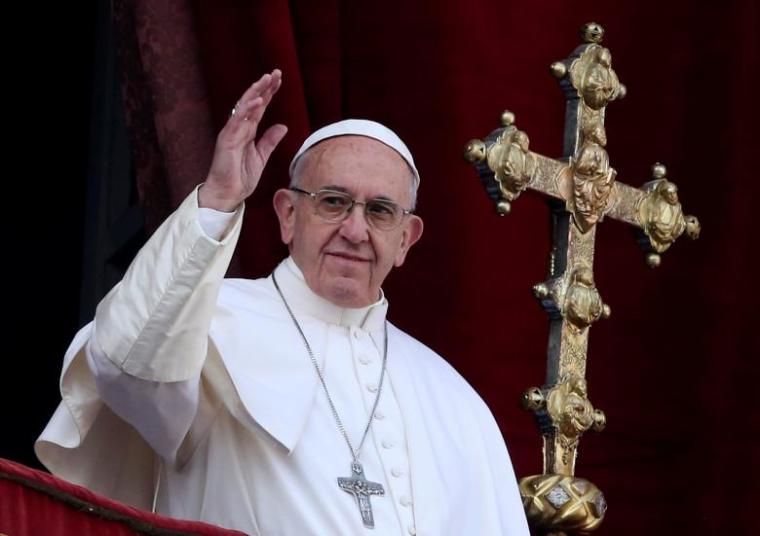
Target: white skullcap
[358, 127]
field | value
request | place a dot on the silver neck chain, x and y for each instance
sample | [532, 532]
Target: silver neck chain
[354, 452]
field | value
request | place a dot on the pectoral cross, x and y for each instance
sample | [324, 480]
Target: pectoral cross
[583, 190]
[361, 489]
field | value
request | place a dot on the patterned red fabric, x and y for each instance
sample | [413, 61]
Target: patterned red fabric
[35, 503]
[674, 368]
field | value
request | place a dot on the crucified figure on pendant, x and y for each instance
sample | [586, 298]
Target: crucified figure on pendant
[361, 488]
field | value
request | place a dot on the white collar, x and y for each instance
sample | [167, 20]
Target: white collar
[305, 301]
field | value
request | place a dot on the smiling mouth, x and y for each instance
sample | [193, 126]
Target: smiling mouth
[348, 257]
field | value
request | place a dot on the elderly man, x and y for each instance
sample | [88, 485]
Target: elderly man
[284, 405]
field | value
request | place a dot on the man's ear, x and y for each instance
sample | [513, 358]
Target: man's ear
[412, 232]
[285, 209]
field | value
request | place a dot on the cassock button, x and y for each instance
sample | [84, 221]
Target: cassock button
[379, 415]
[364, 360]
[387, 443]
[405, 500]
[357, 334]
[372, 387]
[412, 530]
[397, 472]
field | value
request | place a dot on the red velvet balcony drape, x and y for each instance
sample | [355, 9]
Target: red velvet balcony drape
[33, 503]
[675, 368]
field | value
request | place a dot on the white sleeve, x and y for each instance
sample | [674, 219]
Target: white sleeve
[165, 410]
[149, 340]
[214, 223]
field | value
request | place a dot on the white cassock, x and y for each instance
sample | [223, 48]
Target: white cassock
[196, 394]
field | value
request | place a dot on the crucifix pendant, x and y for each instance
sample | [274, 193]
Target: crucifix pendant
[361, 489]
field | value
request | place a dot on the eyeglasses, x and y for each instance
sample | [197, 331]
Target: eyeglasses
[335, 206]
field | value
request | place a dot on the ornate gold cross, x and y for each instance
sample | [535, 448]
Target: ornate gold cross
[583, 190]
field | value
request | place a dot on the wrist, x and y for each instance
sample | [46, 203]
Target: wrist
[208, 198]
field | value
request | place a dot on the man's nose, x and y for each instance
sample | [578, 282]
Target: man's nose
[355, 227]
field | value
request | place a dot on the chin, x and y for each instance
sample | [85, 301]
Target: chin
[347, 293]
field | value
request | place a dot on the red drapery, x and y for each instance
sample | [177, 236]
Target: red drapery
[675, 367]
[35, 503]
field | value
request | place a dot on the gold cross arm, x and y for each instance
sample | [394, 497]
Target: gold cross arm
[585, 182]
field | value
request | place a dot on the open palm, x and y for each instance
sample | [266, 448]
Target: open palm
[239, 159]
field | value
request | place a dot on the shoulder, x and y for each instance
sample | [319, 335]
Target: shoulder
[438, 373]
[252, 303]
[441, 390]
[244, 294]
[421, 355]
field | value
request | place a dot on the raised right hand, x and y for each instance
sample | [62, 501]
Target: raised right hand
[239, 159]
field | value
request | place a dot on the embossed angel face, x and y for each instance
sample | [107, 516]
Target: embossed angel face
[515, 164]
[592, 161]
[600, 82]
[521, 139]
[670, 193]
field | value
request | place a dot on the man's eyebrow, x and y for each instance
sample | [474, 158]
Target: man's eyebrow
[344, 190]
[335, 188]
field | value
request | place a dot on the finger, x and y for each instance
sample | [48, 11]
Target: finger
[238, 131]
[255, 89]
[261, 86]
[242, 125]
[269, 140]
[268, 84]
[274, 84]
[257, 113]
[266, 95]
[263, 89]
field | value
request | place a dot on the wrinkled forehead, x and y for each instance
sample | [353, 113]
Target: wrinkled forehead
[352, 156]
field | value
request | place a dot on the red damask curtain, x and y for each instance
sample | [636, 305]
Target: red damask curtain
[675, 367]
